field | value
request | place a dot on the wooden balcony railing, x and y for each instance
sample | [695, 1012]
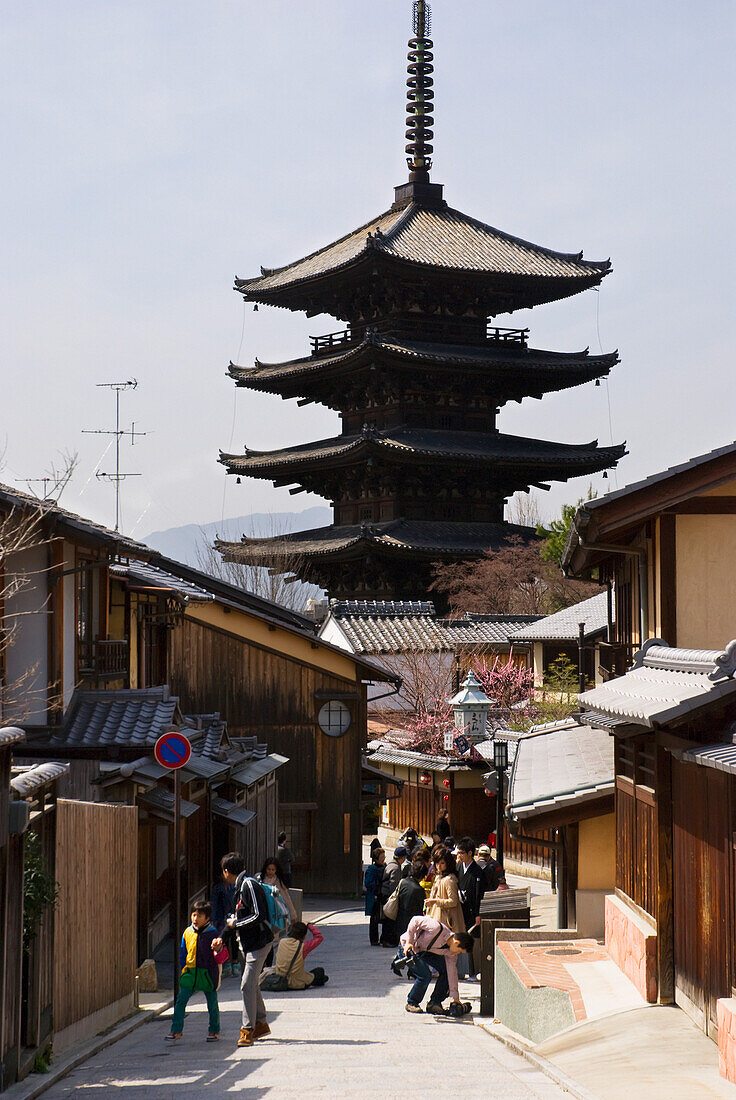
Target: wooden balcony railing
[517, 336]
[334, 341]
[105, 659]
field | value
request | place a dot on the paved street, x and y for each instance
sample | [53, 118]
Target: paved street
[352, 1038]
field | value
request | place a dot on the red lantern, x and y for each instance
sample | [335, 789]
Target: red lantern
[446, 783]
[425, 779]
[445, 798]
[487, 793]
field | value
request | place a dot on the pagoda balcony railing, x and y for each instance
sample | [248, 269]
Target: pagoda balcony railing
[335, 341]
[517, 336]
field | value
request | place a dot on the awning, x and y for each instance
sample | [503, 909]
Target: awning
[253, 770]
[722, 757]
[236, 815]
[160, 802]
[370, 772]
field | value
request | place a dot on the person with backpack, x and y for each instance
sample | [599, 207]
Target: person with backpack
[280, 905]
[251, 919]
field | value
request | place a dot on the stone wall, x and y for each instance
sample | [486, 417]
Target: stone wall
[632, 944]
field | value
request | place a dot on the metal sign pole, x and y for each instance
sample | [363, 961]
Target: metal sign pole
[177, 871]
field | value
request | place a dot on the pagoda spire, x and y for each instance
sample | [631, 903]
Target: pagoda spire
[420, 96]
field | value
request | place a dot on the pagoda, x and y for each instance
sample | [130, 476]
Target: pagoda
[420, 472]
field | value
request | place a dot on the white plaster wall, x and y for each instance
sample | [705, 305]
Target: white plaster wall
[27, 614]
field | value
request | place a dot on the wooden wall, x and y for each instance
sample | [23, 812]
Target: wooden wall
[636, 821]
[95, 927]
[268, 695]
[417, 807]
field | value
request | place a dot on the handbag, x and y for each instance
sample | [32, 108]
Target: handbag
[391, 905]
[273, 982]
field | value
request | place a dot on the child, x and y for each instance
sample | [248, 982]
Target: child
[199, 970]
[291, 953]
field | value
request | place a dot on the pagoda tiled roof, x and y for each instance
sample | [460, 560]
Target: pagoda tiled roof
[499, 358]
[397, 537]
[429, 236]
[402, 443]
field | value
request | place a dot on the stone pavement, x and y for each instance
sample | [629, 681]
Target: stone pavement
[350, 1039]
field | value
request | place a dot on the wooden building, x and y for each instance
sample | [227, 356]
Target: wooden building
[12, 827]
[667, 545]
[420, 472]
[671, 923]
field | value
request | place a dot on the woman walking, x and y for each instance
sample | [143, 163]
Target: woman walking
[443, 903]
[272, 875]
[372, 880]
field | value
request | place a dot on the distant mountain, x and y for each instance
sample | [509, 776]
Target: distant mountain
[180, 543]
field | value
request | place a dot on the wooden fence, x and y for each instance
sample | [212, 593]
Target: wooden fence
[95, 925]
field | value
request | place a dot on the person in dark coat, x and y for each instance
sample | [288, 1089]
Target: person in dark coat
[442, 828]
[372, 880]
[391, 879]
[471, 887]
[411, 897]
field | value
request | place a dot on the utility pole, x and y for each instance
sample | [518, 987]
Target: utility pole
[118, 432]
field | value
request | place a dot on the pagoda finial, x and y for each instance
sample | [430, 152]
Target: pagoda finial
[420, 95]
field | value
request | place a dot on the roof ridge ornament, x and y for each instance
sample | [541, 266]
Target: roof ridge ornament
[725, 663]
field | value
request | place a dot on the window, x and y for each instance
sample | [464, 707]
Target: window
[334, 718]
[297, 824]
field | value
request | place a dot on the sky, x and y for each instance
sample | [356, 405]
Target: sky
[155, 150]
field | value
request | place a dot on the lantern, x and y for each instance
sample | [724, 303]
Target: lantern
[445, 798]
[425, 778]
[470, 708]
[446, 783]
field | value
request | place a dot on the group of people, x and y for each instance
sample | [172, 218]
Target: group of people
[426, 902]
[250, 927]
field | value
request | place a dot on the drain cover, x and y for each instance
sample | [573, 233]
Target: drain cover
[564, 951]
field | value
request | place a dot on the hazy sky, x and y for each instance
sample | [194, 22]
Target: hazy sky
[154, 150]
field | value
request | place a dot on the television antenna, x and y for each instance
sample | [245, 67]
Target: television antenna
[118, 432]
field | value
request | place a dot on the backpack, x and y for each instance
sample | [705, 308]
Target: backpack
[278, 913]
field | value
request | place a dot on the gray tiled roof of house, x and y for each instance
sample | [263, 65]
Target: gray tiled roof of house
[399, 627]
[563, 625]
[561, 765]
[26, 781]
[382, 752]
[11, 735]
[139, 573]
[439, 237]
[665, 685]
[120, 718]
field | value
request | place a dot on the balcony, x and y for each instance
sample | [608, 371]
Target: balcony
[334, 341]
[518, 337]
[104, 659]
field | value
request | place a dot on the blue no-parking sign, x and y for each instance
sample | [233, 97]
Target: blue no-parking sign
[172, 750]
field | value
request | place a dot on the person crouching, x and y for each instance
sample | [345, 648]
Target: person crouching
[291, 953]
[433, 946]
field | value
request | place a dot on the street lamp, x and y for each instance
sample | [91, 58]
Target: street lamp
[500, 763]
[470, 709]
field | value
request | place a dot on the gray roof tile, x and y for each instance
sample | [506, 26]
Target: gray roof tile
[666, 685]
[560, 766]
[563, 625]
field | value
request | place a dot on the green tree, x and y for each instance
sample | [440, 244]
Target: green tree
[554, 538]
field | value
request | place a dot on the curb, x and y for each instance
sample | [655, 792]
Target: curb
[29, 1090]
[519, 1046]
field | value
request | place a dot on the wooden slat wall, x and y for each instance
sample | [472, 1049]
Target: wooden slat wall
[95, 926]
[273, 697]
[703, 874]
[417, 807]
[528, 853]
[636, 822]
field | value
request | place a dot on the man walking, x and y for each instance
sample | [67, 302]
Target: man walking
[471, 887]
[251, 921]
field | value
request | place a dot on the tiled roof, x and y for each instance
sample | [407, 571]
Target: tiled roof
[560, 766]
[382, 752]
[119, 718]
[436, 237]
[666, 685]
[394, 536]
[70, 522]
[490, 359]
[721, 757]
[398, 443]
[26, 781]
[387, 627]
[11, 735]
[563, 625]
[142, 575]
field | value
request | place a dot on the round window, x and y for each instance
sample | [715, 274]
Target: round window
[334, 718]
